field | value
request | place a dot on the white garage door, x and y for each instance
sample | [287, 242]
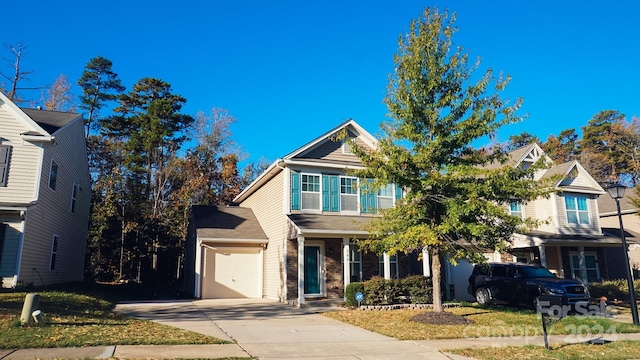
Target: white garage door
[232, 274]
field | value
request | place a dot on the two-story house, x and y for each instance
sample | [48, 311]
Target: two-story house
[570, 241]
[292, 236]
[44, 196]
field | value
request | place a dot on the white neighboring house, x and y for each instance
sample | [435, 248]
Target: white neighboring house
[45, 196]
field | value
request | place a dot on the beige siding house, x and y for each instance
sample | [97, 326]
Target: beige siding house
[310, 211]
[44, 196]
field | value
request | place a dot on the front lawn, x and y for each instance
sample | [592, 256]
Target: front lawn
[494, 322]
[81, 316]
[617, 350]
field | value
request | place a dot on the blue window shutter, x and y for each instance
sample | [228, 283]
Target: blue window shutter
[295, 191]
[5, 153]
[398, 192]
[363, 195]
[325, 193]
[367, 196]
[334, 193]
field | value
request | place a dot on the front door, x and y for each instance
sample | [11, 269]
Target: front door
[312, 270]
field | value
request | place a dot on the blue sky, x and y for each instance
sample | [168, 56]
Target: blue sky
[291, 70]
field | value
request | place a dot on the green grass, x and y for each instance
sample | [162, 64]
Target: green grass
[81, 315]
[617, 350]
[488, 323]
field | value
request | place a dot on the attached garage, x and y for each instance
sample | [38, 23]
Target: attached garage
[224, 253]
[232, 273]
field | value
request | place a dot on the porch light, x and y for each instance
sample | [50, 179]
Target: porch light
[617, 192]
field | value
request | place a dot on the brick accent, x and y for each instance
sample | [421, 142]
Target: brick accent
[292, 269]
[333, 265]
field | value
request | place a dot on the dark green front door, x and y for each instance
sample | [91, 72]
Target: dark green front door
[312, 270]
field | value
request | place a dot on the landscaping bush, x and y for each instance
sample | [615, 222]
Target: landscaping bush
[613, 289]
[351, 291]
[375, 291]
[418, 289]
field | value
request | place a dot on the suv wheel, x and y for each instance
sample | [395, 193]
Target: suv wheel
[483, 297]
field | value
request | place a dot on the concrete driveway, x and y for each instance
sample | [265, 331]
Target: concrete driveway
[272, 330]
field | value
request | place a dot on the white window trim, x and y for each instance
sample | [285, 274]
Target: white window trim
[351, 261]
[566, 211]
[55, 243]
[357, 195]
[386, 262]
[577, 253]
[392, 197]
[50, 172]
[74, 196]
[522, 212]
[319, 209]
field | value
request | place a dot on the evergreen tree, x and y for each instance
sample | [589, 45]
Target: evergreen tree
[98, 83]
[563, 148]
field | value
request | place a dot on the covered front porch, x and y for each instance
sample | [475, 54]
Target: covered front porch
[323, 258]
[584, 258]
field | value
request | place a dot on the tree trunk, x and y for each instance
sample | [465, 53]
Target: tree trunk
[435, 279]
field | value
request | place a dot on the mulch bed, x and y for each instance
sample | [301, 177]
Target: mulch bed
[441, 318]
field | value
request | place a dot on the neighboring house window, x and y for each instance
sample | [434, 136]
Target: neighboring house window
[310, 185]
[355, 263]
[393, 266]
[348, 194]
[53, 175]
[5, 152]
[54, 252]
[385, 197]
[74, 193]
[346, 147]
[577, 209]
[515, 208]
[590, 263]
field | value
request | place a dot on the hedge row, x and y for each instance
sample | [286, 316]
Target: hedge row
[614, 289]
[415, 289]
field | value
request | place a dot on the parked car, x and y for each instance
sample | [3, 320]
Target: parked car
[517, 283]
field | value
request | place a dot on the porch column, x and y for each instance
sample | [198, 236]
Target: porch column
[426, 262]
[387, 266]
[543, 255]
[346, 268]
[583, 265]
[300, 270]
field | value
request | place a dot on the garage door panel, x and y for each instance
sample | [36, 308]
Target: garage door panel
[232, 274]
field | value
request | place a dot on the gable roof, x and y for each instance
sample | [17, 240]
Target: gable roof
[50, 121]
[230, 224]
[291, 158]
[586, 183]
[607, 205]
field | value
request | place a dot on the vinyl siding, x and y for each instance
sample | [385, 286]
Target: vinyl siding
[331, 150]
[267, 205]
[581, 180]
[544, 211]
[52, 215]
[23, 163]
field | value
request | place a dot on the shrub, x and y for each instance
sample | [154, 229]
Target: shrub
[418, 289]
[613, 289]
[351, 291]
[375, 291]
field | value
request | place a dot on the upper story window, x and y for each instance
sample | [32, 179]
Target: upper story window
[310, 186]
[53, 175]
[5, 152]
[74, 193]
[385, 197]
[515, 208]
[348, 194]
[577, 208]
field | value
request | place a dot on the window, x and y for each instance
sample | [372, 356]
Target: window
[355, 263]
[515, 207]
[385, 197]
[5, 152]
[348, 194]
[346, 147]
[577, 209]
[54, 252]
[74, 192]
[393, 266]
[310, 185]
[591, 264]
[53, 175]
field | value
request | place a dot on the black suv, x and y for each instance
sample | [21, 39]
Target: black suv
[516, 283]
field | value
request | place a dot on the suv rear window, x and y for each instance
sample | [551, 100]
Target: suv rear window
[499, 271]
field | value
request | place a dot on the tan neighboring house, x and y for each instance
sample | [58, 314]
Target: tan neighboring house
[44, 196]
[309, 212]
[574, 242]
[610, 223]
